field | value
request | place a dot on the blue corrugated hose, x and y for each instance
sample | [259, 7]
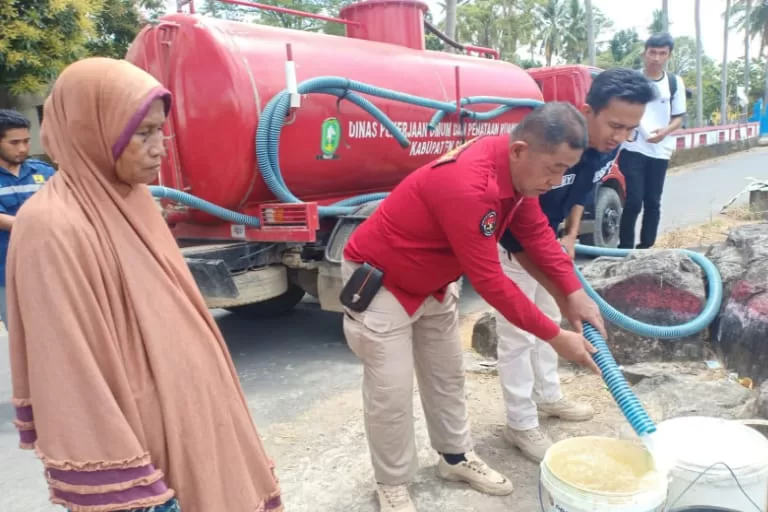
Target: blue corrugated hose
[267, 151]
[628, 403]
[274, 115]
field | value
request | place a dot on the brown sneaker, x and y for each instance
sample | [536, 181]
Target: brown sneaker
[394, 498]
[566, 410]
[476, 473]
[533, 442]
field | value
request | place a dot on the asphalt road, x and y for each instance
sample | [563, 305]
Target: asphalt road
[696, 194]
[287, 365]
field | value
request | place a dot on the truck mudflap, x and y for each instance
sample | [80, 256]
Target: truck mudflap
[237, 274]
[213, 278]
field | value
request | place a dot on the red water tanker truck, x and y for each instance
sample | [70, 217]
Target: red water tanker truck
[289, 128]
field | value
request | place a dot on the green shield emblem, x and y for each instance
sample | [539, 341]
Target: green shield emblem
[330, 134]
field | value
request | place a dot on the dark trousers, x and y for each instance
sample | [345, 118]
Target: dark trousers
[645, 184]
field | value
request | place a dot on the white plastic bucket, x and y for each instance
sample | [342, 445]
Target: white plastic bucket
[558, 495]
[695, 443]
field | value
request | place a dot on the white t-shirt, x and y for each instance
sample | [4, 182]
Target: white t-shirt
[658, 114]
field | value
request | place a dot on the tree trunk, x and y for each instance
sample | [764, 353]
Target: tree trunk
[450, 22]
[665, 15]
[747, 64]
[548, 52]
[699, 85]
[724, 76]
[590, 31]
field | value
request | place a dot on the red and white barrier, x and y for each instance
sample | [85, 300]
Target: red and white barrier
[711, 135]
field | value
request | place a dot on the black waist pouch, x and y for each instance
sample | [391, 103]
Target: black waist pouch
[361, 288]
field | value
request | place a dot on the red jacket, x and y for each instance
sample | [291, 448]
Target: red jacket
[445, 220]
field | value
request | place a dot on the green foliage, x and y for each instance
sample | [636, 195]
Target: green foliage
[624, 49]
[529, 63]
[431, 41]
[117, 24]
[38, 38]
[657, 25]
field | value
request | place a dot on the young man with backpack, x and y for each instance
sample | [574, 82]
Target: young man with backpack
[644, 161]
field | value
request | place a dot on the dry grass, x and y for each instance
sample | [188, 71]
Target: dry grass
[716, 230]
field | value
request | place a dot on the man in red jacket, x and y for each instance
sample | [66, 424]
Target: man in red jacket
[401, 296]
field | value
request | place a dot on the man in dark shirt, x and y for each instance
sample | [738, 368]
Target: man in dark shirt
[527, 366]
[443, 221]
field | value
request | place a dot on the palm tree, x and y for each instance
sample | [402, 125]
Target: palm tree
[756, 23]
[699, 52]
[575, 42]
[724, 72]
[552, 22]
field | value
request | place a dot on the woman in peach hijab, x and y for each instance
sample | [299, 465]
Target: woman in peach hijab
[121, 379]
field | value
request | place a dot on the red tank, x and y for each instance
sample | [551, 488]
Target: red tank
[223, 73]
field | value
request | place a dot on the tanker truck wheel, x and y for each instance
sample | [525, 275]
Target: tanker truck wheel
[275, 306]
[608, 210]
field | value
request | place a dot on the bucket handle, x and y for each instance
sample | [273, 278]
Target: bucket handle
[753, 422]
[733, 475]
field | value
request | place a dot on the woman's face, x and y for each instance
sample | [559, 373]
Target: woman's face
[140, 161]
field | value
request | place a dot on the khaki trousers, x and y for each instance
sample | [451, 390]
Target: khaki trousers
[391, 345]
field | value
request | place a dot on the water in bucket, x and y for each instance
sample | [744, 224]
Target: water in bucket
[600, 474]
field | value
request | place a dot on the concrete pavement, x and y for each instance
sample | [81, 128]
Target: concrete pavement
[289, 366]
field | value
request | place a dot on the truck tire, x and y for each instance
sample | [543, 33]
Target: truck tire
[275, 306]
[608, 210]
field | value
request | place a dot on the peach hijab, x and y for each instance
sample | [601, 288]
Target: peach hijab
[121, 377]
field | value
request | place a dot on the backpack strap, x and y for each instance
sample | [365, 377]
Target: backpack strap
[672, 86]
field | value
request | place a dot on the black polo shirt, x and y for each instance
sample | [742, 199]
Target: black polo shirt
[575, 188]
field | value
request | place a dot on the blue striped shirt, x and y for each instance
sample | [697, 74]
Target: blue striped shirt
[14, 192]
